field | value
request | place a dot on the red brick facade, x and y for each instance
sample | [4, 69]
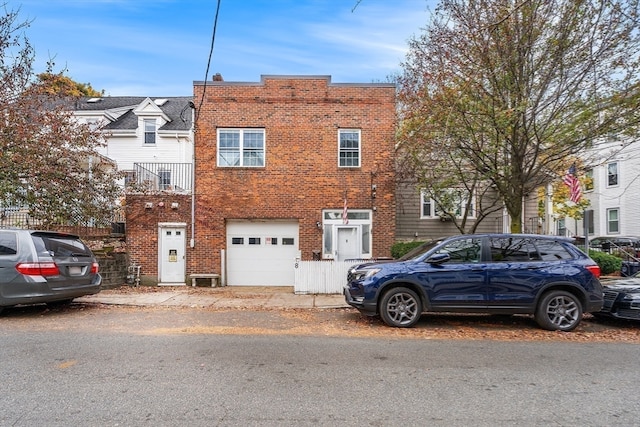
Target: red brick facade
[301, 117]
[142, 226]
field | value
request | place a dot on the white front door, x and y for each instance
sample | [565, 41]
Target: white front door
[348, 244]
[171, 251]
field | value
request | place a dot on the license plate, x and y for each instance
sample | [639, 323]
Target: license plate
[75, 271]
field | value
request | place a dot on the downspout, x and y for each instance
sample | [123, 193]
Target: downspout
[192, 243]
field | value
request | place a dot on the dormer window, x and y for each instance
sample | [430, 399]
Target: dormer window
[149, 131]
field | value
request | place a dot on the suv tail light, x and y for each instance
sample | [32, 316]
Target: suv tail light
[95, 268]
[595, 270]
[38, 269]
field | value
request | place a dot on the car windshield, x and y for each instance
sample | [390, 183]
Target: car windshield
[419, 250]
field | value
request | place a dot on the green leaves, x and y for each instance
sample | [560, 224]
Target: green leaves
[501, 93]
[49, 162]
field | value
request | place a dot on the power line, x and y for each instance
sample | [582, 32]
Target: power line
[206, 74]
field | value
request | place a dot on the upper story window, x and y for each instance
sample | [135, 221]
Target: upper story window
[588, 181]
[241, 147]
[349, 148]
[612, 174]
[149, 131]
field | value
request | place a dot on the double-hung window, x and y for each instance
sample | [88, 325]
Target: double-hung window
[613, 221]
[612, 174]
[455, 201]
[349, 148]
[241, 147]
[427, 206]
[149, 131]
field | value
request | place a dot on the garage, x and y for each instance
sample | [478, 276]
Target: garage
[261, 253]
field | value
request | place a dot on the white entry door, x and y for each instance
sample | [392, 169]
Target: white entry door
[348, 243]
[171, 251]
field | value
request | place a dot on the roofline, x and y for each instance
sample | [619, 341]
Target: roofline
[264, 77]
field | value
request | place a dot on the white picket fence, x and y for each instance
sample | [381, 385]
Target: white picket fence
[321, 277]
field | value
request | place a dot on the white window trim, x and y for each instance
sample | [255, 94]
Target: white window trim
[144, 132]
[606, 173]
[241, 148]
[358, 131]
[336, 222]
[609, 232]
[431, 214]
[434, 211]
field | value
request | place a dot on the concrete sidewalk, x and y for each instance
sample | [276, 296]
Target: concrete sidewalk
[223, 297]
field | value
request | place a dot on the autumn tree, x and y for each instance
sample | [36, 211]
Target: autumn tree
[497, 94]
[49, 162]
[60, 84]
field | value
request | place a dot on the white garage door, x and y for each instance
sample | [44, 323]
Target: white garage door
[261, 253]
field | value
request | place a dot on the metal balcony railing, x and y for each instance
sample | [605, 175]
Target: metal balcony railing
[161, 177]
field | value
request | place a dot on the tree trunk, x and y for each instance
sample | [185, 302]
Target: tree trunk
[516, 224]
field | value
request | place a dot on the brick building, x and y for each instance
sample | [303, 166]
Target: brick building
[276, 162]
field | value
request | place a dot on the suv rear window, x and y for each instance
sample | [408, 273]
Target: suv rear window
[8, 243]
[552, 251]
[60, 245]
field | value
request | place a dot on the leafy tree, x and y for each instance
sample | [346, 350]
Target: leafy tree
[59, 84]
[48, 161]
[499, 93]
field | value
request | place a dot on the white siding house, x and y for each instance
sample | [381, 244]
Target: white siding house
[151, 139]
[614, 196]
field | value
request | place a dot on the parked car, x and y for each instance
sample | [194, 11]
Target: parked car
[622, 298]
[546, 276]
[45, 267]
[607, 243]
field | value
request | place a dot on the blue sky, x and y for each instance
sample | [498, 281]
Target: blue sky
[159, 47]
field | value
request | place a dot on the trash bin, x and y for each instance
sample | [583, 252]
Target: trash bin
[629, 268]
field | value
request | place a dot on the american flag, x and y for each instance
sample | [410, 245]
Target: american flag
[572, 181]
[345, 217]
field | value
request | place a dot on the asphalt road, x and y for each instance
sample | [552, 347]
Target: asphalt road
[92, 366]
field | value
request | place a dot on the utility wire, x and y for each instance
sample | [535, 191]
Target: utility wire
[206, 74]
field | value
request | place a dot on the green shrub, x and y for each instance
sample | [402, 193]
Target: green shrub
[401, 248]
[608, 263]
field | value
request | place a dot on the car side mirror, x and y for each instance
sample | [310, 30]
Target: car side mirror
[438, 258]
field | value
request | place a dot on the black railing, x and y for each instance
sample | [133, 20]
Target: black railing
[20, 218]
[174, 177]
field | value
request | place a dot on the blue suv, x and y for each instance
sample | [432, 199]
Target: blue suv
[546, 276]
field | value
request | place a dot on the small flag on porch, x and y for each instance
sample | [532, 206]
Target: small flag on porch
[572, 181]
[345, 215]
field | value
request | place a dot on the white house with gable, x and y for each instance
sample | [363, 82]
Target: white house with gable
[614, 167]
[150, 139]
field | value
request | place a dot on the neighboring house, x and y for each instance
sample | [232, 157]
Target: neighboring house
[291, 167]
[614, 167]
[150, 138]
[418, 217]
